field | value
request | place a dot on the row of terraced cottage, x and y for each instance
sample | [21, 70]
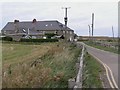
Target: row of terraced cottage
[36, 29]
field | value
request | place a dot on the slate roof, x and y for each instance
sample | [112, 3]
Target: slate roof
[38, 25]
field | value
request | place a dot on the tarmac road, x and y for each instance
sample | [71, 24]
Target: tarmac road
[109, 61]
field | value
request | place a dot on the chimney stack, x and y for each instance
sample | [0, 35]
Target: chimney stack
[15, 21]
[34, 20]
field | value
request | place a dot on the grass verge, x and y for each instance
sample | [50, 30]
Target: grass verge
[91, 73]
[103, 47]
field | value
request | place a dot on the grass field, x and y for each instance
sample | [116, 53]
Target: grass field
[103, 48]
[47, 65]
[91, 73]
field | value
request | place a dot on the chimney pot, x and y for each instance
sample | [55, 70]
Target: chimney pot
[15, 21]
[34, 20]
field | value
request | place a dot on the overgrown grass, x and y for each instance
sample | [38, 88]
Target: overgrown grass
[48, 65]
[103, 47]
[91, 73]
[0, 64]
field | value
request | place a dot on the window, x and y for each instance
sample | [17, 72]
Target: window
[70, 32]
[4, 32]
[39, 31]
[63, 31]
[43, 32]
[60, 25]
[34, 37]
[55, 32]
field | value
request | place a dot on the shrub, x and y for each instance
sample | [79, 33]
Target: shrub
[49, 35]
[109, 40]
[39, 40]
[7, 38]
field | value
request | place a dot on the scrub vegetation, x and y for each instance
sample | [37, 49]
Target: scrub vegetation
[44, 65]
[91, 73]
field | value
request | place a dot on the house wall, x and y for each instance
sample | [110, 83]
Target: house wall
[17, 37]
[37, 36]
[8, 32]
[69, 33]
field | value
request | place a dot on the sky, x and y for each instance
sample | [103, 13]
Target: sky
[79, 15]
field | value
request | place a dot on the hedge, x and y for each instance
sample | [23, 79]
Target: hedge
[7, 38]
[49, 35]
[39, 40]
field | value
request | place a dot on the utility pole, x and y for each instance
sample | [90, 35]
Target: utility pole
[113, 33]
[92, 25]
[66, 20]
[89, 31]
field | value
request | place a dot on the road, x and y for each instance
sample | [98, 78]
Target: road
[109, 61]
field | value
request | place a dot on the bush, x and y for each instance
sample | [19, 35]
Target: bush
[109, 40]
[7, 38]
[83, 40]
[39, 40]
[49, 35]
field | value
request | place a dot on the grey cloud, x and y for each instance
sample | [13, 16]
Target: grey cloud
[79, 14]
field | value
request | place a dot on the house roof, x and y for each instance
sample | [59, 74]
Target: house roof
[38, 25]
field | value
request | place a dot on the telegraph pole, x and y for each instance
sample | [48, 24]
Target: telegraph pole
[89, 31]
[66, 20]
[113, 32]
[92, 23]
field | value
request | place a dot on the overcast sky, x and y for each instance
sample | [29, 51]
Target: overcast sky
[79, 15]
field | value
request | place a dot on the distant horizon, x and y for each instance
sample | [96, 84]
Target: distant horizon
[103, 36]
